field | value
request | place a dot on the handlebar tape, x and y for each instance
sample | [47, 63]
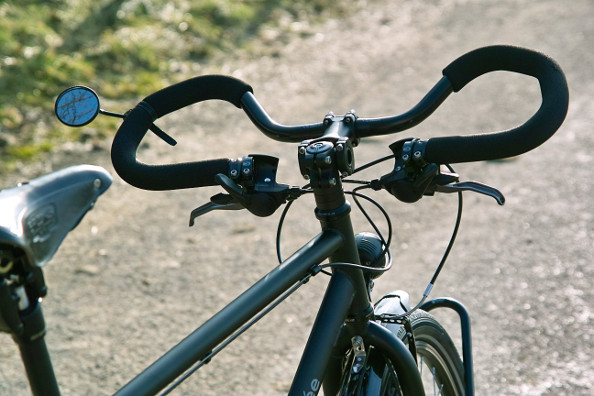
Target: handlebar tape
[541, 126]
[158, 104]
[196, 90]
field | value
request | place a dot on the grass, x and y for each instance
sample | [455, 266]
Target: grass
[125, 47]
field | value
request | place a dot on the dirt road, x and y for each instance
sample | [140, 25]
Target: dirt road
[133, 279]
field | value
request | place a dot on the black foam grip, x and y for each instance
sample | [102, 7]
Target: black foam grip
[157, 177]
[535, 131]
[196, 90]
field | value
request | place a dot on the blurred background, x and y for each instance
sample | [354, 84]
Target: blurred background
[126, 47]
[133, 279]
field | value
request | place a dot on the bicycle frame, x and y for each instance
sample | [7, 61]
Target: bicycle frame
[346, 295]
[345, 310]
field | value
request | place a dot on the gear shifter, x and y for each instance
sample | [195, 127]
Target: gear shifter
[255, 190]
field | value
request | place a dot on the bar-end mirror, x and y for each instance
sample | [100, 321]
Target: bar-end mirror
[77, 106]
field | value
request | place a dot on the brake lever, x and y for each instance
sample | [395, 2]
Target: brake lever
[474, 187]
[217, 202]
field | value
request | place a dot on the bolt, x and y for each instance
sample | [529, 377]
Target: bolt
[267, 180]
[246, 171]
[328, 160]
[417, 154]
[405, 157]
[340, 147]
[347, 119]
[332, 182]
[301, 150]
[306, 177]
[97, 183]
[233, 173]
[398, 168]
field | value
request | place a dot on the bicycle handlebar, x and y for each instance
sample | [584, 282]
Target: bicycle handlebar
[541, 126]
[160, 103]
[441, 150]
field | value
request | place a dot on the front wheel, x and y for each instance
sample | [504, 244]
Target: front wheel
[439, 363]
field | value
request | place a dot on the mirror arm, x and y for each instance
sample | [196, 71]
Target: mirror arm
[109, 113]
[153, 128]
[79, 105]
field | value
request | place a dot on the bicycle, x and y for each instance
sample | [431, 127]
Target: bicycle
[355, 347]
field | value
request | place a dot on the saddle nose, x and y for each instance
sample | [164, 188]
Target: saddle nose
[37, 215]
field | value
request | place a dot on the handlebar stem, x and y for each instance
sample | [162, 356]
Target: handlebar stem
[324, 159]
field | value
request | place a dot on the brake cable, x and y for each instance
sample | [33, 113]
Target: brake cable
[394, 318]
[355, 194]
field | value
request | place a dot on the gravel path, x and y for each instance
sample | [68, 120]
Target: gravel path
[132, 280]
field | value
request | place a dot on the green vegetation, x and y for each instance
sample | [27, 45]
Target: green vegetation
[125, 48]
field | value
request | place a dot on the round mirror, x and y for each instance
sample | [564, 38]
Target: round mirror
[77, 106]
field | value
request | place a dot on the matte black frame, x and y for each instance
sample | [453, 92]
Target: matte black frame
[321, 361]
[328, 336]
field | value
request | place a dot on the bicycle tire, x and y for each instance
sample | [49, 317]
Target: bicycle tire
[435, 351]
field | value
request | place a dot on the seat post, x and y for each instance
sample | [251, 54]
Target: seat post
[21, 289]
[34, 353]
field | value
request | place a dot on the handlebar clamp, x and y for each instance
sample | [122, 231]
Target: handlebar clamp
[323, 160]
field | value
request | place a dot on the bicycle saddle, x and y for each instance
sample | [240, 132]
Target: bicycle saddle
[37, 215]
